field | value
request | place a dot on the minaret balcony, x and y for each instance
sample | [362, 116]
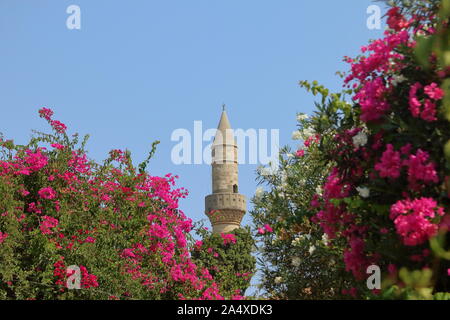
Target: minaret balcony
[225, 201]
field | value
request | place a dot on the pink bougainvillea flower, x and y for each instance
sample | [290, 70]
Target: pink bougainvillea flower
[412, 219]
[434, 92]
[372, 98]
[428, 113]
[47, 224]
[57, 205]
[34, 161]
[35, 208]
[128, 253]
[228, 238]
[89, 240]
[390, 163]
[198, 244]
[334, 187]
[46, 113]
[414, 103]
[300, 153]
[47, 193]
[420, 169]
[58, 126]
[265, 229]
[3, 236]
[87, 280]
[57, 146]
[315, 201]
[237, 297]
[355, 259]
[60, 272]
[396, 20]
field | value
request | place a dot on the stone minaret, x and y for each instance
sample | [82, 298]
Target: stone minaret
[225, 207]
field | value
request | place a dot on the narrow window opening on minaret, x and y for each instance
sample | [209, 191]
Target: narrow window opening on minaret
[235, 189]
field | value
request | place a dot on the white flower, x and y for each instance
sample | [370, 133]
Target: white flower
[319, 190]
[296, 242]
[360, 139]
[363, 192]
[302, 116]
[296, 261]
[259, 192]
[278, 280]
[308, 132]
[325, 239]
[420, 33]
[398, 79]
[296, 135]
[289, 155]
[266, 171]
[312, 249]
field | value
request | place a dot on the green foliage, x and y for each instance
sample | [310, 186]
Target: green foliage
[232, 265]
[297, 261]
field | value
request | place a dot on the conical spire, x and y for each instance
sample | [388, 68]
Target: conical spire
[224, 123]
[224, 133]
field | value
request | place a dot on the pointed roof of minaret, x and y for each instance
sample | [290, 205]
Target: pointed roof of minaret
[224, 122]
[224, 128]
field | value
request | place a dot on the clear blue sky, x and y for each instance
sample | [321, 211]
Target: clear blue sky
[139, 69]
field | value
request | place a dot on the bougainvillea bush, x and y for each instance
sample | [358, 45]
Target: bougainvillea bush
[385, 196]
[119, 225]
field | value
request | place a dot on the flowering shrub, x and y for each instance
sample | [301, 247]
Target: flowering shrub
[385, 198]
[383, 195]
[121, 226]
[296, 260]
[226, 258]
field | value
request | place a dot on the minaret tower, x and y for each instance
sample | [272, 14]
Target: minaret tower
[225, 207]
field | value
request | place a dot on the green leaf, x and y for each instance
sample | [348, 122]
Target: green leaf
[442, 296]
[423, 50]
